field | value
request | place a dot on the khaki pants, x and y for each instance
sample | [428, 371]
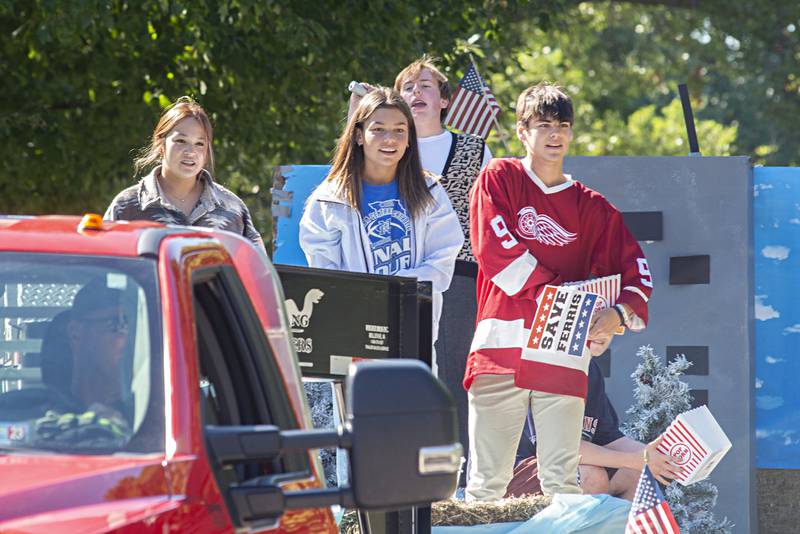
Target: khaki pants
[497, 411]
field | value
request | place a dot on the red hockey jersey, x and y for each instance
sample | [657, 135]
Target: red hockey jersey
[526, 235]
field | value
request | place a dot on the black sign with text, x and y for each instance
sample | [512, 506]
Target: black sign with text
[338, 317]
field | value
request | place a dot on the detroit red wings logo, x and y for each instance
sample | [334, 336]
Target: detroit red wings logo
[542, 228]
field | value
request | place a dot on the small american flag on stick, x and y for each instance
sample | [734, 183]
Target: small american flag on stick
[473, 109]
[650, 513]
[606, 287]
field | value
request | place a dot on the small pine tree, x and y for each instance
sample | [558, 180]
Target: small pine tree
[660, 396]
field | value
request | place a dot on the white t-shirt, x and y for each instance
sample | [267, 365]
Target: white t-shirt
[434, 150]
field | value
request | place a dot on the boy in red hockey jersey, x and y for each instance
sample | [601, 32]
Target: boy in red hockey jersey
[532, 225]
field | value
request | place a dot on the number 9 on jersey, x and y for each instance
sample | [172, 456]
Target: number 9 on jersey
[502, 231]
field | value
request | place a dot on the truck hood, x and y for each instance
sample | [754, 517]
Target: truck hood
[44, 492]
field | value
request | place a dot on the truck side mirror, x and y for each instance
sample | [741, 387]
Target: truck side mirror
[401, 433]
[404, 434]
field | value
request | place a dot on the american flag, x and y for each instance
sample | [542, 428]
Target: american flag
[606, 287]
[473, 108]
[650, 513]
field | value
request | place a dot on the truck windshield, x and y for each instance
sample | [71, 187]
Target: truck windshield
[80, 355]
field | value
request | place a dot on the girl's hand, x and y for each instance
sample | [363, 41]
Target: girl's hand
[356, 99]
[662, 466]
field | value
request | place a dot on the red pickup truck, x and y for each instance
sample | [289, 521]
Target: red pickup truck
[148, 383]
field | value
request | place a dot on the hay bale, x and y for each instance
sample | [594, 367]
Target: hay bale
[455, 512]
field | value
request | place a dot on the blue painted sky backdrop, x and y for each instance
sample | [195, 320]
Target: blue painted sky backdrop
[776, 250]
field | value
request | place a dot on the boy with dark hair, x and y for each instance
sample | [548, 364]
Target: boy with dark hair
[532, 225]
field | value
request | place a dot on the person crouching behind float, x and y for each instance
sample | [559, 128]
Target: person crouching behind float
[377, 211]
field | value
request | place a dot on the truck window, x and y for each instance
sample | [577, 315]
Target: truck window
[240, 381]
[80, 355]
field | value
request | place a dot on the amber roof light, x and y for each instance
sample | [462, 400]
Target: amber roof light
[91, 221]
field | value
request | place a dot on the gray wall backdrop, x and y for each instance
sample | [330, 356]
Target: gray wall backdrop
[706, 207]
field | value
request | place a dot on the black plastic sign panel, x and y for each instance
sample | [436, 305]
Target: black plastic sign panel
[338, 317]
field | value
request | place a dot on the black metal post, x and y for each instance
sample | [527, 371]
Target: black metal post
[688, 118]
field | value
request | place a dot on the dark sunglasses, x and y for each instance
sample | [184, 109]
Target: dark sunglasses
[117, 323]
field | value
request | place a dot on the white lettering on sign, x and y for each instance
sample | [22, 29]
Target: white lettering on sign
[300, 319]
[303, 345]
[376, 337]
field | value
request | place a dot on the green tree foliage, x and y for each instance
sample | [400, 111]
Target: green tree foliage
[84, 82]
[649, 131]
[623, 62]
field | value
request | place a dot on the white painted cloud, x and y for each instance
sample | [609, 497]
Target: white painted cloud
[759, 383]
[795, 220]
[765, 312]
[760, 187]
[787, 435]
[773, 359]
[775, 252]
[768, 402]
[794, 329]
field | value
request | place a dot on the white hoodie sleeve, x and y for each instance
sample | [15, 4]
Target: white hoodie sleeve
[443, 241]
[320, 239]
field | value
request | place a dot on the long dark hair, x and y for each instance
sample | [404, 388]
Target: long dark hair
[347, 167]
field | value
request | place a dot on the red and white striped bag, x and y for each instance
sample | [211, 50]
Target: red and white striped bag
[697, 444]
